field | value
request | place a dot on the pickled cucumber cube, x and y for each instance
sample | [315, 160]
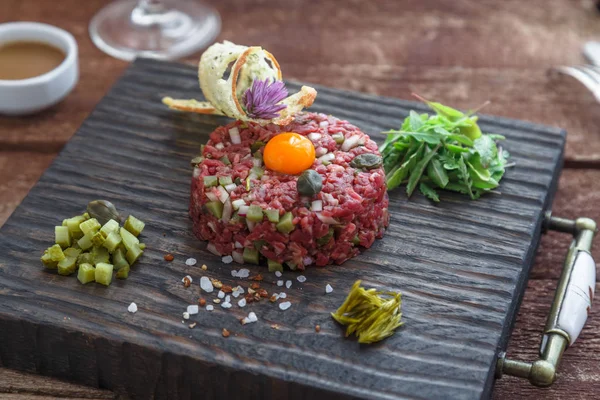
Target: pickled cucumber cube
[129, 241]
[143, 246]
[323, 240]
[67, 266]
[118, 259]
[291, 265]
[225, 180]
[98, 238]
[48, 261]
[73, 225]
[250, 256]
[86, 273]
[215, 208]
[123, 273]
[62, 237]
[85, 242]
[90, 225]
[85, 258]
[100, 254]
[134, 225]
[272, 215]
[103, 273]
[113, 240]
[55, 252]
[274, 266]
[210, 181]
[286, 224]
[133, 254]
[110, 226]
[72, 252]
[255, 213]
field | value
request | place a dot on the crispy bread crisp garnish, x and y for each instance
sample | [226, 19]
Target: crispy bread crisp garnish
[226, 71]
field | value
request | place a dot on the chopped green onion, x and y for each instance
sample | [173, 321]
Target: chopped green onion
[62, 236]
[255, 214]
[86, 273]
[103, 273]
[134, 225]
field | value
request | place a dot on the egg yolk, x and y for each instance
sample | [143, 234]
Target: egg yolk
[289, 153]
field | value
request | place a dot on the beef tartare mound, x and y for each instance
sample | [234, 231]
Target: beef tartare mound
[247, 210]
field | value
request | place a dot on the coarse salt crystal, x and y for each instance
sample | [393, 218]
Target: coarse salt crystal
[132, 308]
[282, 295]
[278, 274]
[328, 288]
[285, 305]
[210, 307]
[279, 283]
[226, 305]
[206, 284]
[242, 302]
[301, 278]
[239, 289]
[191, 262]
[221, 294]
[193, 309]
[235, 294]
[228, 299]
[275, 296]
[186, 315]
[288, 284]
[252, 317]
[188, 277]
[234, 273]
[227, 259]
[243, 273]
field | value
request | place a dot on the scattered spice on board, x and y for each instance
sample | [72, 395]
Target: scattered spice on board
[370, 314]
[187, 281]
[204, 267]
[202, 302]
[193, 325]
[225, 333]
[318, 328]
[258, 277]
[169, 257]
[254, 286]
[275, 326]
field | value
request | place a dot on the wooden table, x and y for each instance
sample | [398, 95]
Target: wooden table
[459, 52]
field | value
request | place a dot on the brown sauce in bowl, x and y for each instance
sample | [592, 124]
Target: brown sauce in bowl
[23, 60]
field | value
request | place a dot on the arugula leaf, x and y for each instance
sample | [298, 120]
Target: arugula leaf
[486, 148]
[456, 149]
[417, 171]
[494, 136]
[464, 176]
[429, 192]
[414, 120]
[428, 137]
[461, 139]
[448, 161]
[398, 175]
[437, 173]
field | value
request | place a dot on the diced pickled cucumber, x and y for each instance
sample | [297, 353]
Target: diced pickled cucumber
[134, 225]
[98, 238]
[72, 252]
[86, 216]
[225, 160]
[254, 214]
[55, 252]
[250, 256]
[123, 273]
[64, 223]
[113, 240]
[225, 180]
[286, 224]
[67, 266]
[103, 273]
[291, 265]
[118, 259]
[86, 273]
[210, 181]
[272, 215]
[215, 208]
[129, 241]
[143, 246]
[86, 241]
[258, 171]
[48, 262]
[85, 258]
[110, 226]
[355, 240]
[62, 237]
[323, 240]
[73, 225]
[133, 254]
[258, 244]
[274, 266]
[91, 225]
[100, 254]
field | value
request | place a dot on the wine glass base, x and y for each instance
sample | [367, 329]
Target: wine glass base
[125, 32]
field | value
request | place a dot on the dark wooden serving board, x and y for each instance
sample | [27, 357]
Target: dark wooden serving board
[461, 266]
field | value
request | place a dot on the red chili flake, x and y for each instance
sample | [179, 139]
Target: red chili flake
[318, 328]
[225, 333]
[275, 326]
[251, 291]
[226, 289]
[258, 277]
[254, 286]
[273, 299]
[169, 257]
[263, 293]
[249, 297]
[186, 282]
[256, 296]
[202, 302]
[216, 283]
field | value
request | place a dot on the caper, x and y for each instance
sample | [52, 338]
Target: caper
[367, 161]
[103, 211]
[309, 183]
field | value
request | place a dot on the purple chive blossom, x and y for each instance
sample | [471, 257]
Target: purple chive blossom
[262, 98]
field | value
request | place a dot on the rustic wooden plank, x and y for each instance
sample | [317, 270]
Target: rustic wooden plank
[459, 307]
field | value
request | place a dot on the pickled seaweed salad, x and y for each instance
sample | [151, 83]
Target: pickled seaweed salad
[444, 150]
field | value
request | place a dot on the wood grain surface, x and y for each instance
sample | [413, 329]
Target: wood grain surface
[461, 52]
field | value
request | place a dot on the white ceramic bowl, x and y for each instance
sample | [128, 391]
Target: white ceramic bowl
[27, 96]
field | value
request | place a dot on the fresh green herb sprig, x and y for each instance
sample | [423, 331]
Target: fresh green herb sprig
[446, 150]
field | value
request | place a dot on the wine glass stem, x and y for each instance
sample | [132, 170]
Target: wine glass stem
[151, 12]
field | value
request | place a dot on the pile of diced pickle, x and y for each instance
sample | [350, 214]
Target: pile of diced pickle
[95, 245]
